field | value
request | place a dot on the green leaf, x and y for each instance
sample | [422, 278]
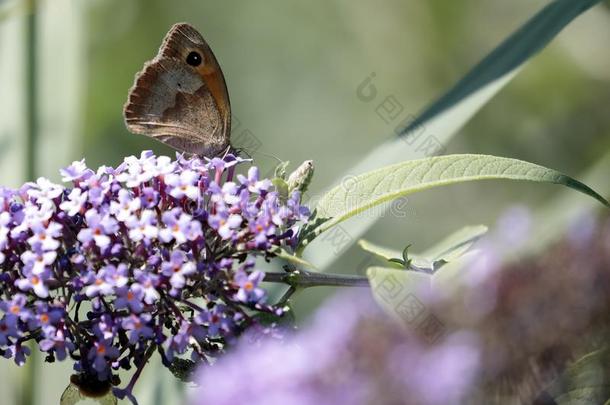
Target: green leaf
[281, 187]
[402, 295]
[391, 286]
[452, 277]
[524, 43]
[381, 252]
[282, 254]
[456, 244]
[583, 382]
[447, 250]
[450, 112]
[280, 169]
[393, 258]
[550, 222]
[373, 188]
[308, 231]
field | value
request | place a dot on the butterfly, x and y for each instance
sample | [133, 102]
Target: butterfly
[180, 97]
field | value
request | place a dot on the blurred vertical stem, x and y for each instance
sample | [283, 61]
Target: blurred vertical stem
[31, 113]
[30, 374]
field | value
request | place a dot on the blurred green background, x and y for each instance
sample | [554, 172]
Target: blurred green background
[292, 69]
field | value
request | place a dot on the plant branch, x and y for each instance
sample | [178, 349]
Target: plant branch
[305, 279]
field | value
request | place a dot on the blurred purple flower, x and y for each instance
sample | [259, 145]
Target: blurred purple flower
[99, 229]
[34, 282]
[58, 343]
[126, 205]
[99, 354]
[178, 343]
[179, 227]
[131, 298]
[45, 235]
[183, 185]
[8, 330]
[351, 353]
[44, 189]
[16, 307]
[226, 224]
[215, 320]
[78, 170]
[75, 203]
[137, 325]
[177, 269]
[249, 290]
[149, 283]
[106, 280]
[38, 260]
[253, 183]
[18, 352]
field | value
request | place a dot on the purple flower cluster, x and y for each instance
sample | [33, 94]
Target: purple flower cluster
[156, 254]
[351, 353]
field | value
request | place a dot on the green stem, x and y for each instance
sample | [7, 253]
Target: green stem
[287, 295]
[30, 374]
[31, 111]
[304, 279]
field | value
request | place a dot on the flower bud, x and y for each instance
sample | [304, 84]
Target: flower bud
[301, 177]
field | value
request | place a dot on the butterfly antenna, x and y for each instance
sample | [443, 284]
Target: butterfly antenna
[269, 155]
[230, 150]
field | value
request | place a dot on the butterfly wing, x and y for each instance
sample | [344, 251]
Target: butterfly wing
[181, 104]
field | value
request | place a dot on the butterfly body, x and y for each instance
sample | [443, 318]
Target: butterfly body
[180, 97]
